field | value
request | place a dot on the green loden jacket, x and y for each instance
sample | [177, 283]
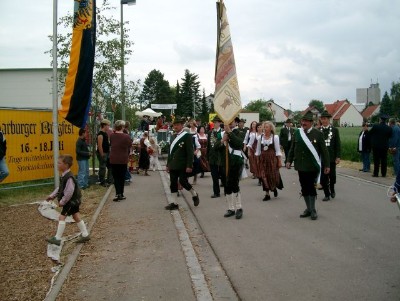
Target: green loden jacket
[180, 155]
[301, 155]
[334, 143]
[215, 147]
[236, 138]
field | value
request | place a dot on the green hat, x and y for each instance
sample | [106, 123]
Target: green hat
[326, 114]
[308, 116]
[178, 119]
[216, 118]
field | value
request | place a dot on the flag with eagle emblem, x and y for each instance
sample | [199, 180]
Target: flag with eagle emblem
[77, 98]
[227, 103]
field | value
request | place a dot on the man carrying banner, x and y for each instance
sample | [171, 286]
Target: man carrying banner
[308, 148]
[180, 162]
[233, 140]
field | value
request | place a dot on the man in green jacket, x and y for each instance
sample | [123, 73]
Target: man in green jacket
[180, 162]
[307, 151]
[233, 141]
[332, 142]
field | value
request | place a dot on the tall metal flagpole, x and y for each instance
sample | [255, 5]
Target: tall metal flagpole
[55, 98]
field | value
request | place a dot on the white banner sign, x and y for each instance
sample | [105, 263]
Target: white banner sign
[164, 106]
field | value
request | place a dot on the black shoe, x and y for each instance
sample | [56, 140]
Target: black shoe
[306, 213]
[267, 197]
[229, 213]
[325, 199]
[333, 195]
[239, 213]
[314, 215]
[196, 200]
[116, 198]
[215, 196]
[122, 197]
[275, 192]
[247, 166]
[104, 184]
[172, 206]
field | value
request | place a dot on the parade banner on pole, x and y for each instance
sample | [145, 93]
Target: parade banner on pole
[227, 103]
[77, 98]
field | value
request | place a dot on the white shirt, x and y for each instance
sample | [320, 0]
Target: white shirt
[268, 141]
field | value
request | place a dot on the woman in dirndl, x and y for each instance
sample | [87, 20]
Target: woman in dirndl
[202, 137]
[254, 151]
[271, 161]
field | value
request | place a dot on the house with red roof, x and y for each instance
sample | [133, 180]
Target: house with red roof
[343, 113]
[370, 111]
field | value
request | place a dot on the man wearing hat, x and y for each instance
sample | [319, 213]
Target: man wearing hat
[103, 152]
[332, 142]
[285, 137]
[180, 162]
[380, 134]
[307, 151]
[215, 156]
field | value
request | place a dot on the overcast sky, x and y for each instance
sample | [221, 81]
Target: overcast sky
[289, 50]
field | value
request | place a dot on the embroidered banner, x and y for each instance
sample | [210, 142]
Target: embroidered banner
[77, 98]
[227, 103]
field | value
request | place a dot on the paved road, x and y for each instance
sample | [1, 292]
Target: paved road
[349, 253]
[139, 251]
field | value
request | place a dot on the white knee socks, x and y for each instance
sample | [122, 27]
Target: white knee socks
[60, 229]
[82, 228]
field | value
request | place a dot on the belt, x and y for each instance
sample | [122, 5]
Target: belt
[236, 152]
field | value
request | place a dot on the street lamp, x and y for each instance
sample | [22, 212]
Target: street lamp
[129, 2]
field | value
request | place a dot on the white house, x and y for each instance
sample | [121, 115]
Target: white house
[280, 115]
[344, 113]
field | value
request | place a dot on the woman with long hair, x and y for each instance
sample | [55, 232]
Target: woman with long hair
[271, 161]
[202, 137]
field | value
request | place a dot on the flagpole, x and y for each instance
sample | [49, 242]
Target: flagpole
[55, 98]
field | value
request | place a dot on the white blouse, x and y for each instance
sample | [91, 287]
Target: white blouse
[253, 137]
[268, 142]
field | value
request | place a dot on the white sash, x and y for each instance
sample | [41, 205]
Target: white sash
[176, 140]
[312, 150]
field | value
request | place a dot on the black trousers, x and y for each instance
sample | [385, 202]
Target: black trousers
[380, 158]
[329, 180]
[181, 176]
[232, 181]
[307, 182]
[217, 172]
[118, 172]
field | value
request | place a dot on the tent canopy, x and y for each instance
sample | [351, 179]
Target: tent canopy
[148, 112]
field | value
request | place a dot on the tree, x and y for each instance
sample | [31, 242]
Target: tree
[189, 96]
[319, 105]
[386, 105]
[260, 106]
[204, 108]
[156, 90]
[395, 97]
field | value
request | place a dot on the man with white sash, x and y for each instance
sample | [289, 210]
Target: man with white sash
[180, 163]
[307, 150]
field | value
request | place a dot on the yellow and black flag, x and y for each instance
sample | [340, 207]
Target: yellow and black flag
[77, 98]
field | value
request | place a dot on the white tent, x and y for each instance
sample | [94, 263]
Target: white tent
[148, 112]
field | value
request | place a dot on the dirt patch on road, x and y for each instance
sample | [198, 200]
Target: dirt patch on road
[25, 270]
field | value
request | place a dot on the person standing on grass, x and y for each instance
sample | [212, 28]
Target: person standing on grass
[364, 147]
[4, 172]
[82, 157]
[69, 196]
[180, 163]
[332, 142]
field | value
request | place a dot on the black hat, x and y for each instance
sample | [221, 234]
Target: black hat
[308, 116]
[178, 119]
[326, 114]
[216, 118]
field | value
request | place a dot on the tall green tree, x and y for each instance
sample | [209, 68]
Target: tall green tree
[386, 105]
[260, 106]
[189, 104]
[319, 105]
[395, 98]
[156, 90]
[205, 110]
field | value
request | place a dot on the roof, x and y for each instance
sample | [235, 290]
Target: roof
[369, 111]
